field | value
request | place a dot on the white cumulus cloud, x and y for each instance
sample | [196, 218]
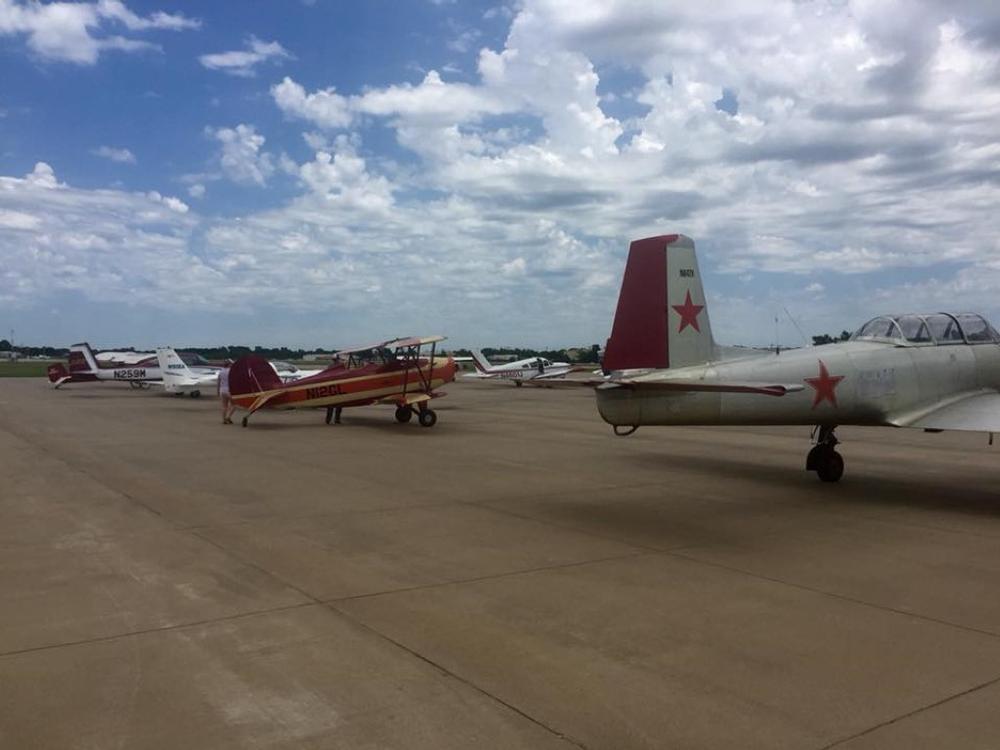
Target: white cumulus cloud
[120, 155]
[241, 157]
[244, 62]
[77, 32]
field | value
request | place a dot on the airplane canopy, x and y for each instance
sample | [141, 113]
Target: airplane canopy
[934, 329]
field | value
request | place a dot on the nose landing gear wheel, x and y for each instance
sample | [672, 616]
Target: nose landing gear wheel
[830, 466]
[824, 459]
[244, 422]
[404, 414]
[195, 394]
[427, 418]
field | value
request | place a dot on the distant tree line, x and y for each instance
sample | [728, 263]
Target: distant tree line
[34, 351]
[825, 338]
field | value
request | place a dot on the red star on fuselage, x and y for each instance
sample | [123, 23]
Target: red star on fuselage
[825, 386]
[689, 313]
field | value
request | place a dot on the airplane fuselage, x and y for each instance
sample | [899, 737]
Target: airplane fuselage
[851, 383]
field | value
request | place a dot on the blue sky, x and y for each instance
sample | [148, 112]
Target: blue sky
[322, 173]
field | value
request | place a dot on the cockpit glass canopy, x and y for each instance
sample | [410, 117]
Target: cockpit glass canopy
[936, 328]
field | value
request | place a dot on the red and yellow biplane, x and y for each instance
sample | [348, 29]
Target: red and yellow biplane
[392, 372]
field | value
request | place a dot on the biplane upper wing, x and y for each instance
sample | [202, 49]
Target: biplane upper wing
[392, 344]
[978, 411]
[413, 341]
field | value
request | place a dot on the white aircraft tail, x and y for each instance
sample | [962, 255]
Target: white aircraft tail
[662, 317]
[479, 360]
[171, 364]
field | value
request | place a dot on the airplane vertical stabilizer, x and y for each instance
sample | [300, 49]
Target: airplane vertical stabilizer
[479, 360]
[82, 359]
[170, 362]
[662, 318]
[252, 374]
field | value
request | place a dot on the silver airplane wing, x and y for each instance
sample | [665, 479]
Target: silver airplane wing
[678, 385]
[974, 412]
[763, 389]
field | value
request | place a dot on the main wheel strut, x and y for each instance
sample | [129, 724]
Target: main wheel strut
[823, 457]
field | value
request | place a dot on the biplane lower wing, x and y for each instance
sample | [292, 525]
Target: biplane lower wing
[408, 399]
[974, 412]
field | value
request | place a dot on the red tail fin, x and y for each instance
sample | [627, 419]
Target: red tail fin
[56, 373]
[252, 374]
[78, 362]
[639, 336]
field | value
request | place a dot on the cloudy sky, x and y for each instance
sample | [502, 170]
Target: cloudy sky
[322, 173]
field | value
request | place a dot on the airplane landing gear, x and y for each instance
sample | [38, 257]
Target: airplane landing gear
[333, 414]
[195, 394]
[427, 417]
[403, 414]
[823, 458]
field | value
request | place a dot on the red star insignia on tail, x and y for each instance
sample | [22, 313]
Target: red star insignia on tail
[825, 386]
[689, 313]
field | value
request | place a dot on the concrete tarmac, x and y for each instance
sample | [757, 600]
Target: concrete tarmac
[514, 577]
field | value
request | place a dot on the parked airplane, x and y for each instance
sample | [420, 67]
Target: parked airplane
[532, 368]
[392, 372]
[937, 372]
[84, 368]
[179, 378]
[121, 359]
[289, 373]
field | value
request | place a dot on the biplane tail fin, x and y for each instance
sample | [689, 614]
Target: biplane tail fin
[82, 359]
[662, 317]
[252, 374]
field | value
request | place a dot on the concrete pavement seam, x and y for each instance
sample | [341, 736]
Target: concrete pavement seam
[902, 717]
[163, 629]
[444, 670]
[678, 553]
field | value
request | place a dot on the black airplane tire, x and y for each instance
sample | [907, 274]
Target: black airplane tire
[830, 467]
[195, 394]
[404, 414]
[518, 383]
[428, 418]
[244, 421]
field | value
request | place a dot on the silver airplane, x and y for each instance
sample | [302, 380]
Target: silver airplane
[936, 372]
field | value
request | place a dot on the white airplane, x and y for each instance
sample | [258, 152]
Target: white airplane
[179, 379]
[289, 373]
[122, 359]
[532, 368]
